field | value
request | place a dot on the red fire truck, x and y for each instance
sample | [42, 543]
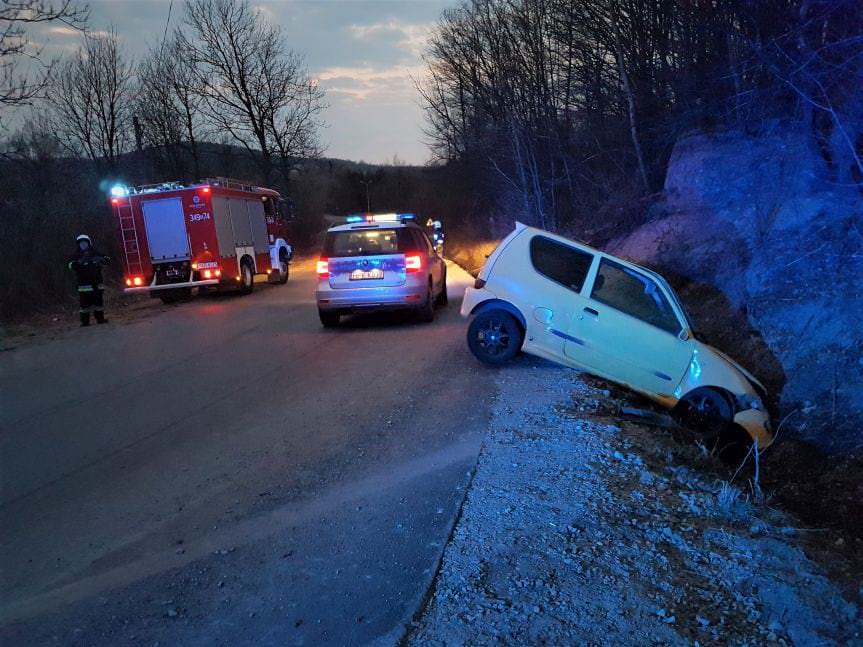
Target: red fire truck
[216, 234]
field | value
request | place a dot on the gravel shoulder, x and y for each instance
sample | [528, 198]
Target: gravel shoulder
[580, 528]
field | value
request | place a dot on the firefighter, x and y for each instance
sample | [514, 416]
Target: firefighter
[87, 264]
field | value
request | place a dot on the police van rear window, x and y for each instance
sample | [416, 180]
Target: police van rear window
[368, 242]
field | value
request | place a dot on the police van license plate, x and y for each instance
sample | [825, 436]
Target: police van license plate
[363, 275]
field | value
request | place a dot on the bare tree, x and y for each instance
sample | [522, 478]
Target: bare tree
[168, 106]
[91, 101]
[252, 86]
[576, 104]
[21, 84]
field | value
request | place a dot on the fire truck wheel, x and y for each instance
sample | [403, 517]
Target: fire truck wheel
[281, 275]
[284, 267]
[172, 296]
[247, 278]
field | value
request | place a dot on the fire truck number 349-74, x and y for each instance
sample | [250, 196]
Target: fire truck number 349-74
[217, 234]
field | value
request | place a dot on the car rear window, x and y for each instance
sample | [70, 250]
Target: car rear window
[560, 263]
[368, 242]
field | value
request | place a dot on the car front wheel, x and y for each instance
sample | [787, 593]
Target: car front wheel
[494, 337]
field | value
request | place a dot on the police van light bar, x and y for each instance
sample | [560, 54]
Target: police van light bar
[380, 217]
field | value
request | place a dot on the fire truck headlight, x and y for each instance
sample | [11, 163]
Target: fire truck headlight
[138, 280]
[119, 191]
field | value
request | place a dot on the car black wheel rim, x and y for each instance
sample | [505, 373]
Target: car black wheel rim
[494, 337]
[705, 412]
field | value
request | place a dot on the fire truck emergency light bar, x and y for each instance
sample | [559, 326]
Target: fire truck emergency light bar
[380, 217]
[123, 191]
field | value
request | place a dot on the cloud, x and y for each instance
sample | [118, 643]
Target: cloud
[368, 84]
[411, 37]
[63, 30]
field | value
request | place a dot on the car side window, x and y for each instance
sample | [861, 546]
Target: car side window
[635, 294]
[560, 263]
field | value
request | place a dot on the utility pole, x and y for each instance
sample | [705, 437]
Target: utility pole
[368, 200]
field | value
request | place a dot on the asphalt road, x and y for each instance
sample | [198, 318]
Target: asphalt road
[229, 472]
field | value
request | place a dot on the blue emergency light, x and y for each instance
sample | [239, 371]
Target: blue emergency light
[380, 217]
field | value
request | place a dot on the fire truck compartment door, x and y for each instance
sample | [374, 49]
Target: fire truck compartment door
[240, 220]
[258, 223]
[166, 229]
[224, 228]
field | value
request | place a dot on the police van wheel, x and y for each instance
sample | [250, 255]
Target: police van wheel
[329, 319]
[426, 311]
[247, 278]
[443, 298]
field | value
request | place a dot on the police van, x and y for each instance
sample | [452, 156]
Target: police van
[378, 262]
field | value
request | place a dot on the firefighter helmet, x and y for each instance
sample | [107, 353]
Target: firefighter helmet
[83, 237]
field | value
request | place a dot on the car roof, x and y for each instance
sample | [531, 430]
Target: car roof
[521, 229]
[592, 250]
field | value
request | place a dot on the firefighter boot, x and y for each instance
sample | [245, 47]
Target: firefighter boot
[85, 319]
[100, 316]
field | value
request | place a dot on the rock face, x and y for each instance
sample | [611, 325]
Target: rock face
[765, 222]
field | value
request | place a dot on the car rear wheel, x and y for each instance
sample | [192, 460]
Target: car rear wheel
[329, 319]
[494, 337]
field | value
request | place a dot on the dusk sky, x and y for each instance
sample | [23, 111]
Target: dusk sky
[365, 54]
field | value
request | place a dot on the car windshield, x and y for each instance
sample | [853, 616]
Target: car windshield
[365, 242]
[673, 295]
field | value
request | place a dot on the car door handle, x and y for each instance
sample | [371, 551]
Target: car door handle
[591, 312]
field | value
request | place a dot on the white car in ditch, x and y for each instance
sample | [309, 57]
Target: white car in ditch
[564, 301]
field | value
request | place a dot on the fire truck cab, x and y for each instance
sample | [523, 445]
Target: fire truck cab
[216, 234]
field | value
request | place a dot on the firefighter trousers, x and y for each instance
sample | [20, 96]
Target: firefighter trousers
[91, 301]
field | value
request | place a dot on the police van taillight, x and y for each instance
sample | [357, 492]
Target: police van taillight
[323, 268]
[413, 263]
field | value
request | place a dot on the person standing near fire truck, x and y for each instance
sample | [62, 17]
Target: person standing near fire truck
[87, 265]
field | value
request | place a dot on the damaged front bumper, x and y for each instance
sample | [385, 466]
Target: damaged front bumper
[756, 422]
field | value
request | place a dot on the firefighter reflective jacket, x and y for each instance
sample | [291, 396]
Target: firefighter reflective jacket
[87, 265]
